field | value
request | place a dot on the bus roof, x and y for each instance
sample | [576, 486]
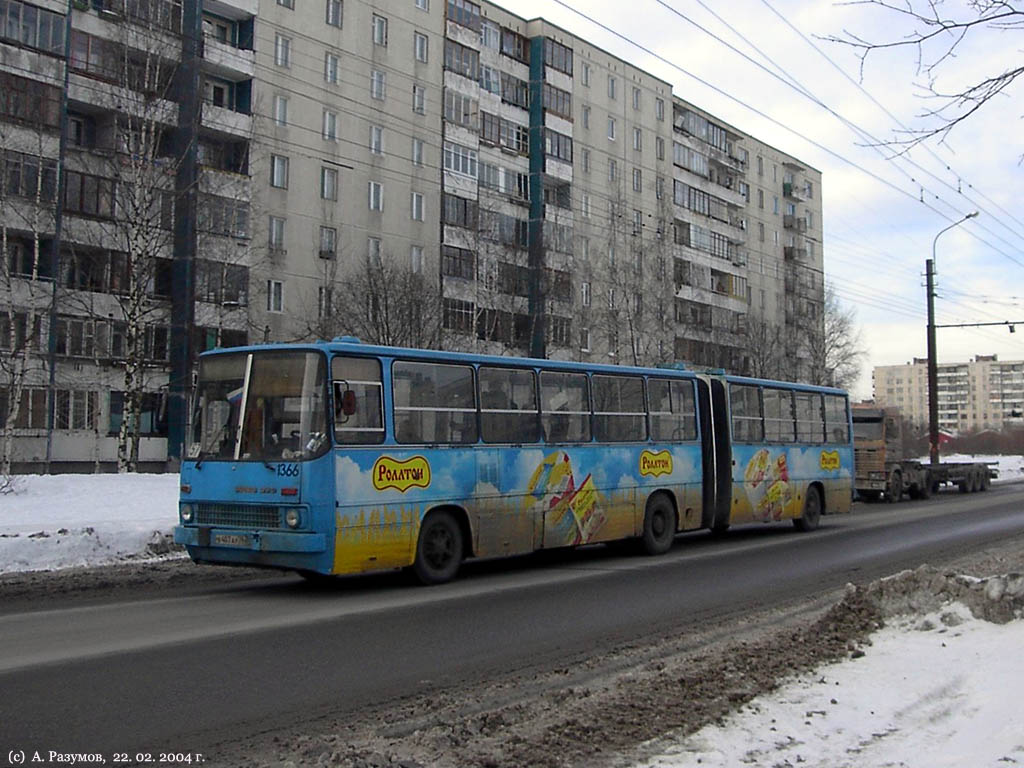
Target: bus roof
[349, 345]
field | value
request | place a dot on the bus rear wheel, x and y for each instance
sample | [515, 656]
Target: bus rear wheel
[438, 549]
[659, 525]
[812, 511]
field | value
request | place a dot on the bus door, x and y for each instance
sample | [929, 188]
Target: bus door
[716, 452]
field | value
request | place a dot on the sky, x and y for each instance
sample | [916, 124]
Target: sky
[949, 700]
[881, 213]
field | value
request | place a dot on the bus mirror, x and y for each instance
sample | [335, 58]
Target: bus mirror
[348, 402]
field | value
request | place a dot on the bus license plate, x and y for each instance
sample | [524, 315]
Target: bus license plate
[231, 540]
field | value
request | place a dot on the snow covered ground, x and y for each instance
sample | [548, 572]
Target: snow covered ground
[933, 691]
[62, 521]
[940, 690]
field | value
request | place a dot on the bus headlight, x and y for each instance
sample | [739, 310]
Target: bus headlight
[187, 513]
[291, 517]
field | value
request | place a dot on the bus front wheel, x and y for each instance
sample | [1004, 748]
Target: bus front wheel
[812, 511]
[659, 525]
[438, 549]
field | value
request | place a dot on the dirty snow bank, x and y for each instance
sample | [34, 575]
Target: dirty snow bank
[62, 521]
[938, 685]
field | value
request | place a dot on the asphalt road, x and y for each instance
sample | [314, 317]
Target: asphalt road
[184, 673]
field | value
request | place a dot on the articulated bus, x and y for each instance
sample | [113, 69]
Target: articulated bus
[341, 457]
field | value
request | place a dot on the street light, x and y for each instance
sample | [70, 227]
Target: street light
[933, 366]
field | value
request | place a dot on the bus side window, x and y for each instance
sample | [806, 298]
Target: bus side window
[745, 405]
[434, 402]
[358, 403]
[508, 405]
[836, 423]
[810, 417]
[565, 407]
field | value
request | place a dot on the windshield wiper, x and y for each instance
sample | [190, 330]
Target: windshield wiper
[216, 439]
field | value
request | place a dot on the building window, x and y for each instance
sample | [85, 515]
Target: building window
[417, 206]
[465, 13]
[329, 183]
[457, 315]
[611, 129]
[459, 159]
[638, 139]
[374, 249]
[417, 152]
[416, 258]
[376, 139]
[637, 180]
[490, 35]
[419, 45]
[334, 12]
[378, 84]
[330, 131]
[419, 99]
[275, 233]
[423, 5]
[280, 109]
[279, 171]
[331, 66]
[586, 161]
[458, 262]
[585, 206]
[586, 117]
[282, 51]
[328, 242]
[636, 98]
[380, 30]
[287, 3]
[613, 170]
[659, 187]
[585, 293]
[275, 296]
[585, 75]
[584, 339]
[659, 147]
[611, 87]
[659, 109]
[376, 196]
[459, 109]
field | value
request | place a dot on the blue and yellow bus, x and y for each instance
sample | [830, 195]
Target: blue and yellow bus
[341, 457]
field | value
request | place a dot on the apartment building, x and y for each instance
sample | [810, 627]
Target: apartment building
[983, 393]
[424, 172]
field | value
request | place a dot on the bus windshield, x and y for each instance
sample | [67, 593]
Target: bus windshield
[260, 406]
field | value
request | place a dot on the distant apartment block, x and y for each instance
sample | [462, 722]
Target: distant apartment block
[983, 393]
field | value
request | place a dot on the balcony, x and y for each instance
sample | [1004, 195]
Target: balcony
[794, 253]
[226, 121]
[793, 192]
[227, 60]
[793, 222]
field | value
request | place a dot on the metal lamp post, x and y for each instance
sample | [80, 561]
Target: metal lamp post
[933, 366]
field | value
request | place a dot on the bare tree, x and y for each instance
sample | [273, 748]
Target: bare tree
[382, 302]
[765, 348]
[27, 198]
[938, 38]
[132, 214]
[833, 346]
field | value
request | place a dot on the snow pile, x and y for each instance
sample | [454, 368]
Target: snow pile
[62, 521]
[935, 687]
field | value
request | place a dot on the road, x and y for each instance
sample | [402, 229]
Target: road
[186, 672]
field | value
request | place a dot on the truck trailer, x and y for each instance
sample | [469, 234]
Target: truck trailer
[882, 472]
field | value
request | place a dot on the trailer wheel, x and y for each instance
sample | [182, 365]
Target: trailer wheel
[924, 490]
[812, 511]
[659, 525]
[894, 489]
[986, 479]
[964, 485]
